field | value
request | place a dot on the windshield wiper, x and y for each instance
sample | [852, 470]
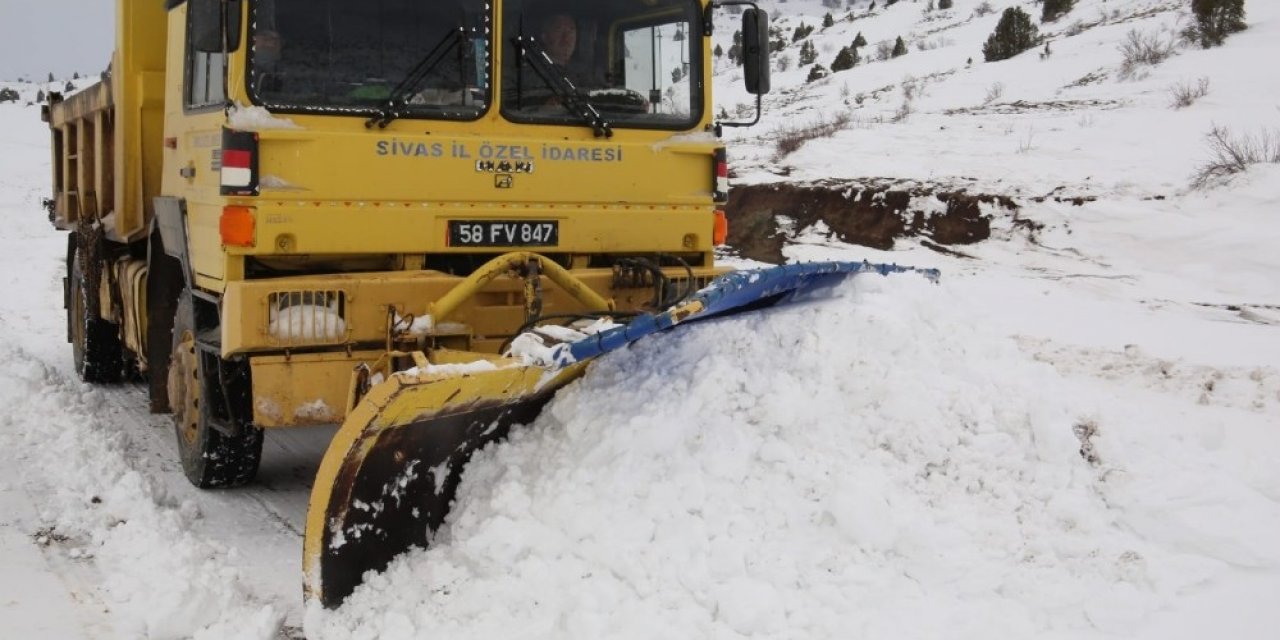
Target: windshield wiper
[396, 100]
[531, 51]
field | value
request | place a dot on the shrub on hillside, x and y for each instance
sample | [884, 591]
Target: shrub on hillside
[846, 59]
[1232, 155]
[801, 32]
[828, 21]
[1185, 94]
[1217, 19]
[1143, 49]
[817, 72]
[859, 41]
[1014, 34]
[1054, 9]
[944, 4]
[884, 50]
[8, 95]
[899, 48]
[788, 139]
[983, 8]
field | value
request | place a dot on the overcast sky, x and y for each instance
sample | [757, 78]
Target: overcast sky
[62, 36]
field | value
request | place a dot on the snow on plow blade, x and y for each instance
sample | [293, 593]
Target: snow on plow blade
[390, 474]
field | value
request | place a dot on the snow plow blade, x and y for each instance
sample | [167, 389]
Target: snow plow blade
[389, 476]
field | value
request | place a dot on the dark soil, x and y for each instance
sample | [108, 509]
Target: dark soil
[871, 216]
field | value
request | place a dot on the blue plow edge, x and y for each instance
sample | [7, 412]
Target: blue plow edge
[730, 292]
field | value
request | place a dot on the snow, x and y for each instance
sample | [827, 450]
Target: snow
[308, 322]
[256, 119]
[1073, 434]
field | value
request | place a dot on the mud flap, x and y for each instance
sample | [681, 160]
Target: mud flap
[389, 476]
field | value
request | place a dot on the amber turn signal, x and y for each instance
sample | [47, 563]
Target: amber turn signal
[237, 226]
[721, 231]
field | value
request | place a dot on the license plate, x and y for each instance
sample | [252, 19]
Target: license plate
[504, 233]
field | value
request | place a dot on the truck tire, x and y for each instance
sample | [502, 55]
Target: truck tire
[95, 343]
[210, 458]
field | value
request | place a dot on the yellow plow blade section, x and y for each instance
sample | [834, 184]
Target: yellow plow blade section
[390, 473]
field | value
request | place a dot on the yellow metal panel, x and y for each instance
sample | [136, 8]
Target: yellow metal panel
[338, 159]
[422, 227]
[303, 390]
[138, 76]
[369, 297]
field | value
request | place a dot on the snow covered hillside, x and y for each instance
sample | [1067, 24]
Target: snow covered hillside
[1074, 434]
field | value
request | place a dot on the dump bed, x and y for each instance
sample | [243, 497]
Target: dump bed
[107, 139]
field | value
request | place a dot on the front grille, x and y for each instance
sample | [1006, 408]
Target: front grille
[307, 317]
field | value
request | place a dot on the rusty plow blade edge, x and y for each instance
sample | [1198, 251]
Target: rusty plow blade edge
[390, 473]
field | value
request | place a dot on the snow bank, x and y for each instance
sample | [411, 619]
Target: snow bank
[161, 581]
[923, 478]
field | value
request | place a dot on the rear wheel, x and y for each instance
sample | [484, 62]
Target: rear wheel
[95, 343]
[210, 458]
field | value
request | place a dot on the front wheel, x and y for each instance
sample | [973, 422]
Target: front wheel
[210, 458]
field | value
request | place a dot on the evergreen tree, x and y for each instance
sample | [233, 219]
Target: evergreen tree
[69, 87]
[719, 51]
[827, 21]
[1014, 34]
[1054, 9]
[1217, 19]
[50, 76]
[859, 41]
[846, 59]
[817, 72]
[872, 7]
[40, 96]
[944, 4]
[75, 75]
[808, 53]
[801, 32]
[899, 48]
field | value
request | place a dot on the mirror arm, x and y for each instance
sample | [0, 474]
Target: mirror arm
[745, 123]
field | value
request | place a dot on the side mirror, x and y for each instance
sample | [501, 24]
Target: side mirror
[206, 20]
[755, 50]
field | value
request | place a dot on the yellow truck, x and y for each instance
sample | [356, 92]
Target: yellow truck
[415, 219]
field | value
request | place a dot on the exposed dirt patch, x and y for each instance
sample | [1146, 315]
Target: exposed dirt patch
[1023, 106]
[870, 215]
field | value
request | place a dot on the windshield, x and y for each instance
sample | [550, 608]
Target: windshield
[350, 55]
[635, 62]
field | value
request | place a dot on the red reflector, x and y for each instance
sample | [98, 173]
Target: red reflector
[236, 158]
[722, 169]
